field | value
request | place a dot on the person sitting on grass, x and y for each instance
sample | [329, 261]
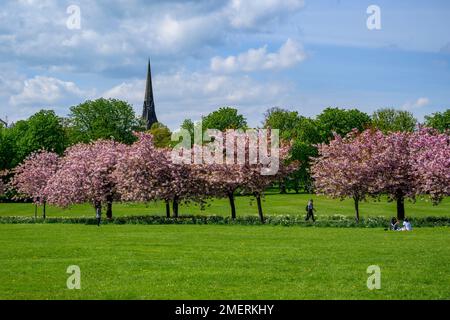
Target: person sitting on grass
[394, 224]
[406, 225]
[310, 210]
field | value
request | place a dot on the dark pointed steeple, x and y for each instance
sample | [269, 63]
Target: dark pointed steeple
[148, 113]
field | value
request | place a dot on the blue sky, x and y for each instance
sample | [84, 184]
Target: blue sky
[301, 55]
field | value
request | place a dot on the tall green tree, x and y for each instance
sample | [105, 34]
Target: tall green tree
[8, 150]
[45, 131]
[104, 119]
[42, 131]
[439, 120]
[392, 120]
[283, 120]
[341, 121]
[224, 118]
[307, 135]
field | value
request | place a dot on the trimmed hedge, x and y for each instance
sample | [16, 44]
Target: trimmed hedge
[337, 221]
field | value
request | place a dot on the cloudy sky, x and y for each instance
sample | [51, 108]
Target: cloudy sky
[299, 54]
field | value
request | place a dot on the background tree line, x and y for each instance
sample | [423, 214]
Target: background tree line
[115, 120]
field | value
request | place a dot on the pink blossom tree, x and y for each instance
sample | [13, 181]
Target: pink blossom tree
[87, 175]
[185, 183]
[345, 167]
[33, 175]
[393, 173]
[256, 179]
[369, 163]
[225, 175]
[146, 173]
[225, 180]
[400, 165]
[243, 166]
[138, 170]
[430, 162]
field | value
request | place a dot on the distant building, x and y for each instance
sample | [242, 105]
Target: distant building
[148, 113]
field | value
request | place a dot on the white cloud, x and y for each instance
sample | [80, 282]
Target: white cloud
[419, 103]
[132, 91]
[42, 90]
[10, 81]
[205, 88]
[181, 95]
[257, 13]
[36, 30]
[289, 54]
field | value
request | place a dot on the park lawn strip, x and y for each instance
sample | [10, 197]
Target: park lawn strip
[221, 262]
[273, 204]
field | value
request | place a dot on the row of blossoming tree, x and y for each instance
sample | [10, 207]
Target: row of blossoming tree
[400, 165]
[106, 171]
[360, 165]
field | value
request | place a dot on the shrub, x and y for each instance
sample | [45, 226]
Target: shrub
[336, 221]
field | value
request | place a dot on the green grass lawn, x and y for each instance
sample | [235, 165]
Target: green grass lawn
[273, 204]
[221, 262]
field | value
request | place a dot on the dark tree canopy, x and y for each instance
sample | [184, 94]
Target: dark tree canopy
[392, 120]
[104, 119]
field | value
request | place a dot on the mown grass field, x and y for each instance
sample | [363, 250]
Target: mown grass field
[221, 262]
[274, 204]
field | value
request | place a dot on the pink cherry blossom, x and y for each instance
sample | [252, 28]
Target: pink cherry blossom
[32, 176]
[400, 165]
[146, 173]
[86, 174]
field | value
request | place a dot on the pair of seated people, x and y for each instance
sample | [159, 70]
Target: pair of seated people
[395, 225]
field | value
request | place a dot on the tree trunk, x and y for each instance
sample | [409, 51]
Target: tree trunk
[400, 208]
[260, 212]
[175, 207]
[35, 210]
[109, 203]
[44, 213]
[167, 209]
[356, 199]
[232, 205]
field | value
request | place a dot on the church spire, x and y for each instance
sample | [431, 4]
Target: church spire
[148, 113]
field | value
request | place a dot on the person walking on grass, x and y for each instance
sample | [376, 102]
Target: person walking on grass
[98, 213]
[310, 210]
